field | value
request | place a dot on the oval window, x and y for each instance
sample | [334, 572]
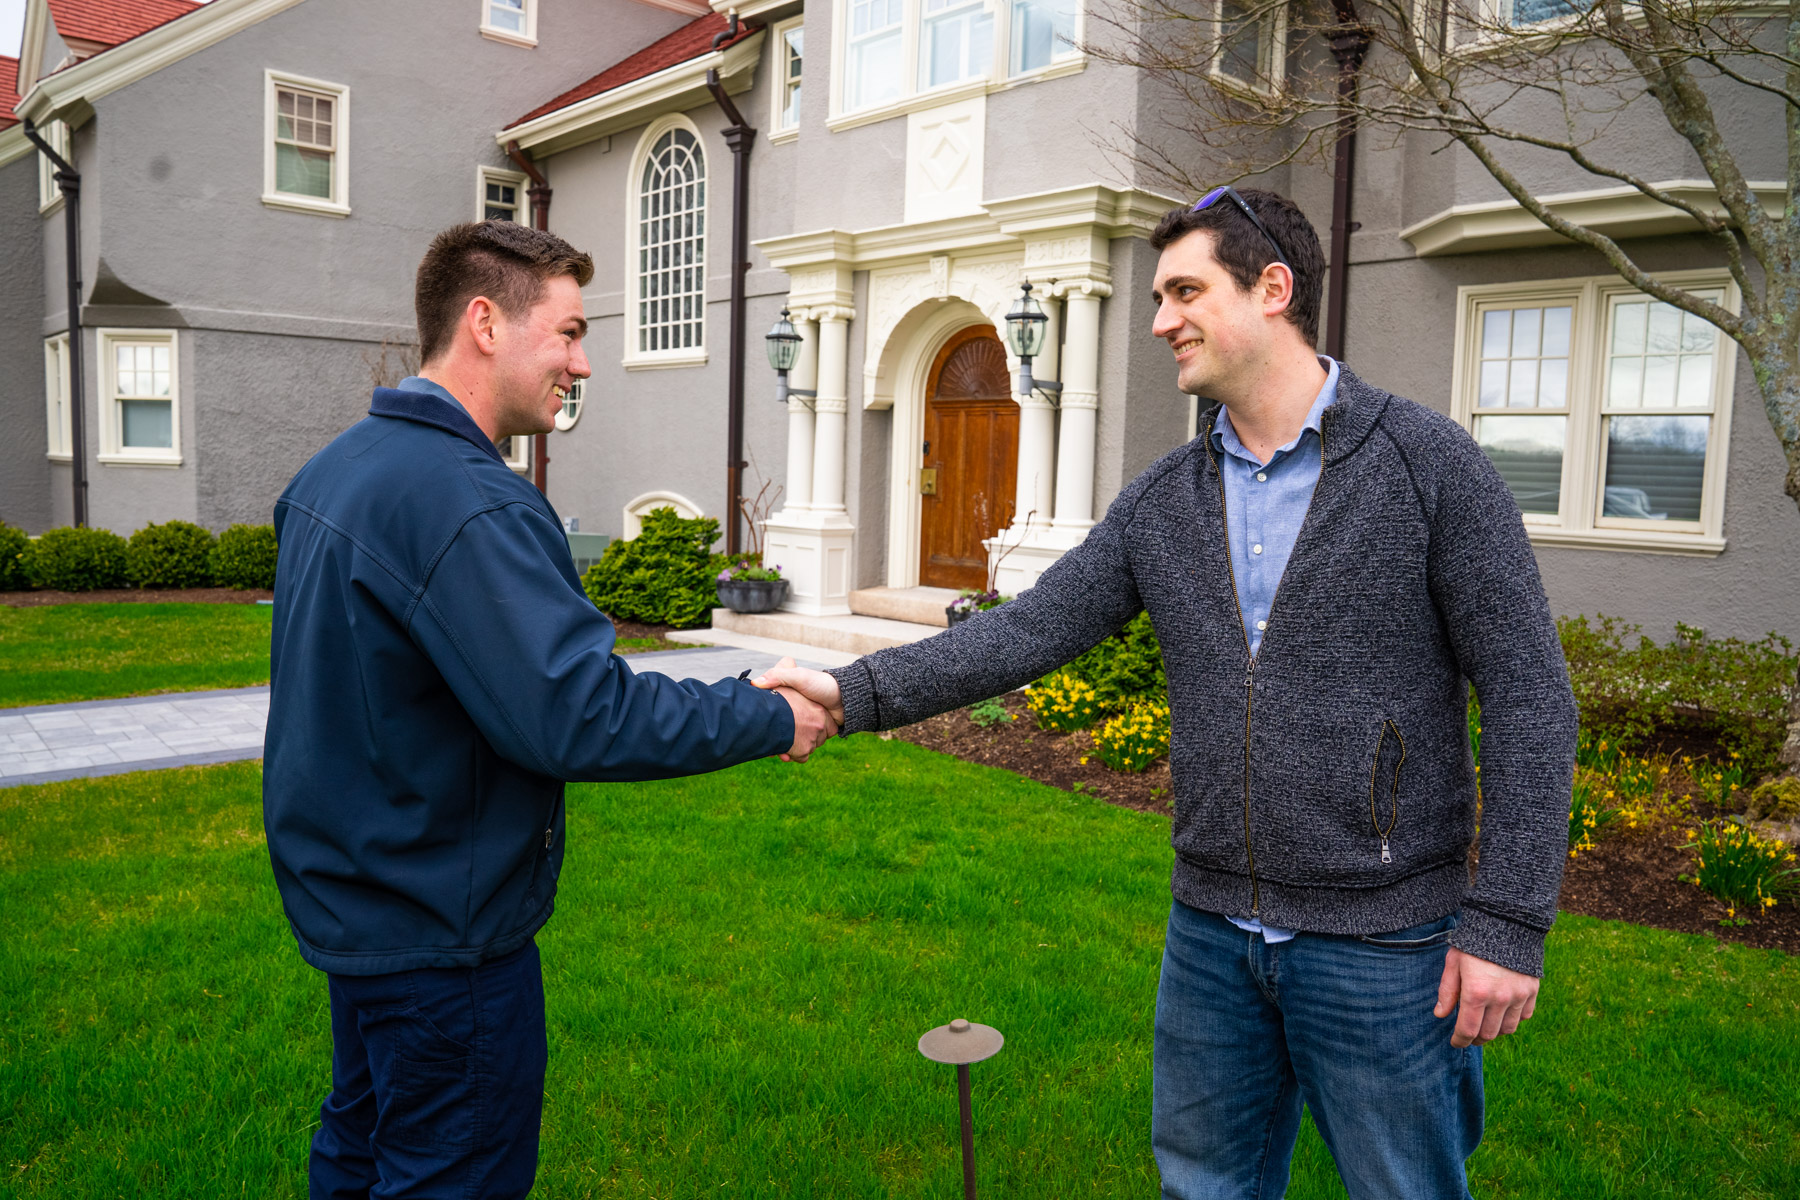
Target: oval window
[571, 408]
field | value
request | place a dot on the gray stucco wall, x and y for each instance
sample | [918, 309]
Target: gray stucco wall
[24, 470]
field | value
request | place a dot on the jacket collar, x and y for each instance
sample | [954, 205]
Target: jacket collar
[427, 409]
[1344, 424]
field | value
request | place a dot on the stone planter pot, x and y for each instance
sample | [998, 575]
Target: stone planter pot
[957, 615]
[753, 595]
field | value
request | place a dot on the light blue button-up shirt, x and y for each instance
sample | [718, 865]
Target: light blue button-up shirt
[1265, 505]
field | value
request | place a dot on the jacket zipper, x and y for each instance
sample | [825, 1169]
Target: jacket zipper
[1250, 663]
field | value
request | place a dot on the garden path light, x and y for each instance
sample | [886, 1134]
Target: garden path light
[962, 1043]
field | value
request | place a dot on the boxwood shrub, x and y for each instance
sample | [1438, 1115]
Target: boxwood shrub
[173, 555]
[663, 576]
[14, 547]
[77, 560]
[244, 557]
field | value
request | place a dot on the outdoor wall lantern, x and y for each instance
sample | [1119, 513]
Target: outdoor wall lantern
[1025, 328]
[784, 350]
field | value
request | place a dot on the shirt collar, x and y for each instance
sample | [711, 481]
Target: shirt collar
[1225, 438]
[419, 399]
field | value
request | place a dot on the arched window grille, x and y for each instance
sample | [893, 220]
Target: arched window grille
[672, 244]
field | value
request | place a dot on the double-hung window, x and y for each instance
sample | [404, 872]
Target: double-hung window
[668, 310]
[1251, 41]
[790, 40]
[895, 52]
[956, 42]
[874, 53]
[500, 196]
[50, 192]
[139, 409]
[1043, 32]
[511, 21]
[58, 438]
[306, 154]
[1605, 411]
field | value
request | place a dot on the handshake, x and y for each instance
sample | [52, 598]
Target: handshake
[818, 707]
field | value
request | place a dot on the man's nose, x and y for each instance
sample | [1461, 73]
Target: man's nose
[578, 363]
[1166, 322]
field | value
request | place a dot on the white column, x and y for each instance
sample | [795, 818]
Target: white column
[832, 408]
[804, 376]
[1037, 439]
[1080, 408]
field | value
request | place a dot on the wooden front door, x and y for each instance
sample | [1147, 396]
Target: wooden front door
[972, 444]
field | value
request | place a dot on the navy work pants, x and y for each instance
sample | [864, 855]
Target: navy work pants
[437, 1083]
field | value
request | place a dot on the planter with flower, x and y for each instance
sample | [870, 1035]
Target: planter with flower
[970, 603]
[748, 587]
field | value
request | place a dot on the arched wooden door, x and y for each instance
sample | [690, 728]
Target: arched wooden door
[972, 446]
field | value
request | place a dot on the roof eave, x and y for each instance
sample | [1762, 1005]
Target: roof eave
[672, 89]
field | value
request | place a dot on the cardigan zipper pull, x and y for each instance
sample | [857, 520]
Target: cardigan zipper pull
[1385, 856]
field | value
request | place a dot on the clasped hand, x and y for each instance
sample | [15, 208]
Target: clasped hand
[813, 695]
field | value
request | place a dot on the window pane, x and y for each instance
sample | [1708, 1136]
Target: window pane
[1530, 12]
[1496, 332]
[1493, 384]
[1526, 322]
[1696, 380]
[671, 249]
[1696, 334]
[1042, 31]
[1628, 328]
[1238, 38]
[1624, 382]
[1525, 360]
[1556, 332]
[1659, 378]
[302, 172]
[1660, 357]
[146, 424]
[1655, 467]
[507, 14]
[874, 75]
[1665, 329]
[1553, 381]
[1528, 453]
[1523, 392]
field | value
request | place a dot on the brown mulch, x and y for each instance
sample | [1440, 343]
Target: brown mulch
[1631, 875]
[209, 595]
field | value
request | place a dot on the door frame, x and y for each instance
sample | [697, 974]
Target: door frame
[975, 331]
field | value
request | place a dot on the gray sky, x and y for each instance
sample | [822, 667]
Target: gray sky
[12, 24]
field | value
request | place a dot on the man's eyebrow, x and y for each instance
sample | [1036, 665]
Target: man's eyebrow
[1173, 282]
[582, 323]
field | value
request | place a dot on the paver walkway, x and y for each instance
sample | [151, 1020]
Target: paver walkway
[106, 737]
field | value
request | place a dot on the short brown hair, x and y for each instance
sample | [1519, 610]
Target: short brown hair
[507, 262]
[1243, 251]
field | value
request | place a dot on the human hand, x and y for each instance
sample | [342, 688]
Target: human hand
[816, 686]
[813, 726]
[1492, 1000]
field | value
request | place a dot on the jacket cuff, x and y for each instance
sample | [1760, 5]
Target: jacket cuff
[1500, 941]
[856, 687]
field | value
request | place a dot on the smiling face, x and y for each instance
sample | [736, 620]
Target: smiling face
[538, 356]
[1222, 336]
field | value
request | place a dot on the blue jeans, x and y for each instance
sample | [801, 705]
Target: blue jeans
[1247, 1033]
[437, 1083]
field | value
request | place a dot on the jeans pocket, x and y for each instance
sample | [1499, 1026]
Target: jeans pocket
[431, 1089]
[1417, 937]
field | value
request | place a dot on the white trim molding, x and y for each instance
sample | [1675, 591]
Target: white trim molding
[338, 204]
[516, 180]
[778, 79]
[50, 193]
[526, 37]
[636, 358]
[113, 451]
[1617, 212]
[636, 508]
[58, 438]
[672, 89]
[1580, 401]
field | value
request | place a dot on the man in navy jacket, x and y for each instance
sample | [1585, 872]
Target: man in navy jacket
[437, 675]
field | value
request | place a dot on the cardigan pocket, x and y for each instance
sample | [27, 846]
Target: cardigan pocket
[1384, 784]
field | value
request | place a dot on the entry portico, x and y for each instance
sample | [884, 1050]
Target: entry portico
[927, 282]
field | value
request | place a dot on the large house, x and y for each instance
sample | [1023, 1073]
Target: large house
[892, 190]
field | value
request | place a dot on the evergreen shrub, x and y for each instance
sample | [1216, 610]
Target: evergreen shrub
[14, 549]
[172, 555]
[77, 560]
[666, 575]
[244, 557]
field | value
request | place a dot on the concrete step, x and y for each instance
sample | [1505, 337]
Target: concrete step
[918, 605]
[800, 652]
[853, 634]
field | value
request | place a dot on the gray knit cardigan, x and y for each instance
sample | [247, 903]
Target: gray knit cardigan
[1324, 784]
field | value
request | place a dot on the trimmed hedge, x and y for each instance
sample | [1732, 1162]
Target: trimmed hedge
[174, 555]
[244, 557]
[15, 548]
[663, 576]
[77, 560]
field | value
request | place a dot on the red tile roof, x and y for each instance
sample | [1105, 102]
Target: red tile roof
[110, 22]
[9, 91]
[690, 41]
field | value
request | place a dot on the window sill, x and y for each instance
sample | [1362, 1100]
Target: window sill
[51, 209]
[303, 204]
[662, 361]
[508, 37]
[955, 91]
[65, 459]
[1642, 541]
[139, 458]
[784, 135]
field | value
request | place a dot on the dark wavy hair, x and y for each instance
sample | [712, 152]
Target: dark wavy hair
[1243, 251]
[507, 262]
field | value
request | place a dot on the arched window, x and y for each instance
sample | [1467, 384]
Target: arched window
[671, 245]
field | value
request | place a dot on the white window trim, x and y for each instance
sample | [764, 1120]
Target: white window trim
[777, 39]
[1275, 26]
[518, 179]
[687, 356]
[528, 39]
[578, 397]
[50, 193]
[912, 97]
[59, 435]
[339, 206]
[521, 460]
[1577, 522]
[112, 452]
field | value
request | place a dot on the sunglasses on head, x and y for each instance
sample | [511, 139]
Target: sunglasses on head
[1228, 192]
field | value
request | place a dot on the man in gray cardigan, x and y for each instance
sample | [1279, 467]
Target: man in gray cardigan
[1328, 567]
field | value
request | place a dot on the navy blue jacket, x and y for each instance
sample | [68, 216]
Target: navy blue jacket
[436, 675]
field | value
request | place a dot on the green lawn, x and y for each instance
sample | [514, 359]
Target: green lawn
[737, 974]
[64, 652]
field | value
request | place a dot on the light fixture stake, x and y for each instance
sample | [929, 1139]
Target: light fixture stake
[962, 1043]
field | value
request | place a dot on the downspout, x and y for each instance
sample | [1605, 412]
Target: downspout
[1349, 43]
[539, 194]
[740, 137]
[69, 180]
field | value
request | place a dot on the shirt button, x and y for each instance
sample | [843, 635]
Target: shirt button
[1256, 549]
[1260, 625]
[1262, 477]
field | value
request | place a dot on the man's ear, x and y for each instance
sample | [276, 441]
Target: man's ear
[481, 318]
[1278, 289]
